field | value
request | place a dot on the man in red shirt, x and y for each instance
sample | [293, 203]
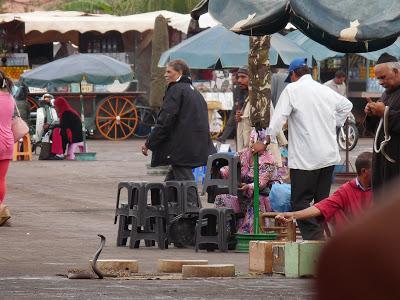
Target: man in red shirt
[349, 201]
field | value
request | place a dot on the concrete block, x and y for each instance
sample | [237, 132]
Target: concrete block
[175, 265]
[220, 270]
[117, 267]
[261, 256]
[301, 258]
[278, 259]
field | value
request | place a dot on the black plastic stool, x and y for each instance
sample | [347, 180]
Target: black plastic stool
[214, 184]
[173, 191]
[152, 218]
[215, 227]
[228, 229]
[125, 211]
[191, 202]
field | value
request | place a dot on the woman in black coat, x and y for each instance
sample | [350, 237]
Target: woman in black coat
[181, 136]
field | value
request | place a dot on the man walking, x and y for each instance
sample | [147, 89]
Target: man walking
[384, 118]
[313, 111]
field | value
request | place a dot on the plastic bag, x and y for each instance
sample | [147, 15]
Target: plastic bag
[47, 137]
[279, 197]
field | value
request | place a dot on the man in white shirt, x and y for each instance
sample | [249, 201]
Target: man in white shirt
[338, 83]
[313, 111]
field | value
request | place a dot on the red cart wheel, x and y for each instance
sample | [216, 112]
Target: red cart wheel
[32, 103]
[116, 118]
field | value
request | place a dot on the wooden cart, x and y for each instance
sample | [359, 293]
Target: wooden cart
[113, 116]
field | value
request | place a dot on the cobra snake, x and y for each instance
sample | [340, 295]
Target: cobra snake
[96, 256]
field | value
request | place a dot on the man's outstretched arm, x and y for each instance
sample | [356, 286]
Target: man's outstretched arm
[309, 212]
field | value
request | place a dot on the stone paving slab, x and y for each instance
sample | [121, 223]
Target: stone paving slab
[17, 288]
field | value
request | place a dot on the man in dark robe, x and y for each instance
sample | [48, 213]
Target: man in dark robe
[386, 158]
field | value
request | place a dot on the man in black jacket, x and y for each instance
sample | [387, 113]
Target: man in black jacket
[181, 136]
[383, 117]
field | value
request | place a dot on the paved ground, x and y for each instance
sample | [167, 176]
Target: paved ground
[59, 207]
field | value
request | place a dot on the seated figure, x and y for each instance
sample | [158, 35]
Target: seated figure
[46, 117]
[69, 130]
[272, 168]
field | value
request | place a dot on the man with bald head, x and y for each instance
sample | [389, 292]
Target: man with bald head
[383, 117]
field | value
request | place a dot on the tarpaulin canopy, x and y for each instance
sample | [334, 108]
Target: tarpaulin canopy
[217, 47]
[321, 52]
[347, 26]
[65, 21]
[93, 68]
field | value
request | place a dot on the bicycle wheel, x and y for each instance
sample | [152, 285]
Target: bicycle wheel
[352, 135]
[147, 120]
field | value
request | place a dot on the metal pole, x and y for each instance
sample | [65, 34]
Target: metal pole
[256, 196]
[82, 118]
[346, 128]
[346, 124]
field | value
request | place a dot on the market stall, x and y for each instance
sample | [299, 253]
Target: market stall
[28, 40]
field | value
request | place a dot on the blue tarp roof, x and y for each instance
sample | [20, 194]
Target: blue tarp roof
[220, 47]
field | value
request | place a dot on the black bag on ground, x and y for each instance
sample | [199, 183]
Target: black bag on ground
[45, 149]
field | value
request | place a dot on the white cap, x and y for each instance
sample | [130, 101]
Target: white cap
[46, 96]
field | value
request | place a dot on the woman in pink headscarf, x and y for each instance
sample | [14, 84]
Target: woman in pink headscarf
[70, 127]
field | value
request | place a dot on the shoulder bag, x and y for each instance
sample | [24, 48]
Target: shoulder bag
[18, 125]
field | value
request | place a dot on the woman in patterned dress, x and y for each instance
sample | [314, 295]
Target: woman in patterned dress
[271, 169]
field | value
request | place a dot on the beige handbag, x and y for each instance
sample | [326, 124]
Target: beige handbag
[18, 126]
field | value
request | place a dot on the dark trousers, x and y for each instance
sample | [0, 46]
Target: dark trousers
[230, 126]
[306, 187]
[177, 173]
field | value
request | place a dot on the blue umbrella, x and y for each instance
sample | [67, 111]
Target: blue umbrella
[218, 47]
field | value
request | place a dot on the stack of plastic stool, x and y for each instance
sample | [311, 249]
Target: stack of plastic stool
[26, 152]
[191, 202]
[215, 229]
[129, 210]
[183, 210]
[152, 221]
[174, 197]
[215, 185]
[228, 229]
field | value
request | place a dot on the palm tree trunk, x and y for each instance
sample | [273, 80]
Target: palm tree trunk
[259, 81]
